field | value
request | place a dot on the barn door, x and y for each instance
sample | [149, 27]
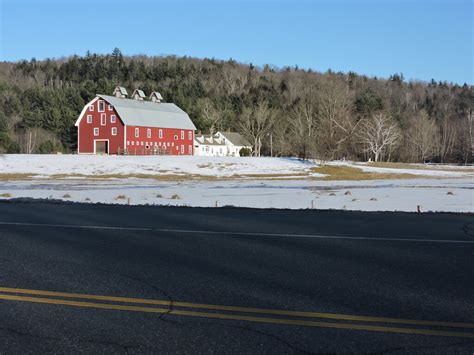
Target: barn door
[101, 147]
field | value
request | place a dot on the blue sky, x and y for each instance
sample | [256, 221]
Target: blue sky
[423, 39]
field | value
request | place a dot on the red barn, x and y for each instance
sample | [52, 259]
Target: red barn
[118, 125]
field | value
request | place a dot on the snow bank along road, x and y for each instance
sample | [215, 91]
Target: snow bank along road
[244, 182]
[97, 278]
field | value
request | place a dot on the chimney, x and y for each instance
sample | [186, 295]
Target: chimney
[155, 96]
[120, 92]
[138, 95]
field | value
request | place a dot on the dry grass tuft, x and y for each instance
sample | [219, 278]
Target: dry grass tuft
[450, 193]
[8, 177]
[6, 195]
[66, 195]
[175, 197]
[121, 197]
[159, 196]
[353, 173]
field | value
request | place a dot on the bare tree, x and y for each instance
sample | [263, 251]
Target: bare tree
[447, 139]
[255, 123]
[212, 115]
[422, 136]
[303, 127]
[379, 134]
[335, 121]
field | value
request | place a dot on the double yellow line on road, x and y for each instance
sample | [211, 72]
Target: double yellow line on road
[258, 315]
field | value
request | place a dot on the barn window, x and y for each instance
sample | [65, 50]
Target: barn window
[113, 119]
[110, 107]
[96, 131]
[128, 142]
[190, 135]
[89, 118]
[160, 133]
[114, 131]
[182, 134]
[190, 150]
[133, 142]
[175, 137]
[148, 133]
[137, 132]
[172, 144]
[182, 148]
[103, 119]
[101, 106]
[91, 108]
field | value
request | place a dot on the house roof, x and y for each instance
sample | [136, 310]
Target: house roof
[235, 138]
[149, 114]
[206, 140]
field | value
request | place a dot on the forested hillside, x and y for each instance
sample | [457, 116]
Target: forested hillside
[302, 113]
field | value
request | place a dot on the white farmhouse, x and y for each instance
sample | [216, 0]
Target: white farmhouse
[220, 144]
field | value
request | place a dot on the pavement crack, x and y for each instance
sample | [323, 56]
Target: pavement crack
[154, 288]
[421, 347]
[468, 229]
[273, 336]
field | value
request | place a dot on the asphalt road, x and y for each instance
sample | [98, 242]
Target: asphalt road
[196, 280]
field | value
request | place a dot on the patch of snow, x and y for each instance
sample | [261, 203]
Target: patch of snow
[449, 195]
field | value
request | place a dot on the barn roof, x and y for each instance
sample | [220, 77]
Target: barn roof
[149, 114]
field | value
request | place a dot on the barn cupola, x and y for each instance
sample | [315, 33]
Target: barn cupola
[138, 95]
[156, 97]
[121, 92]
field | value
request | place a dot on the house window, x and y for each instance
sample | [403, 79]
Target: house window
[207, 149]
[175, 137]
[96, 131]
[114, 131]
[91, 108]
[148, 133]
[190, 150]
[110, 107]
[113, 119]
[190, 135]
[182, 134]
[137, 132]
[182, 147]
[103, 119]
[160, 133]
[89, 118]
[101, 106]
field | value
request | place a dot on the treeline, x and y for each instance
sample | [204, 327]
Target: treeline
[282, 111]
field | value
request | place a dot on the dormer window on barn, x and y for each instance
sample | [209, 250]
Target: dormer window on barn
[101, 106]
[155, 96]
[138, 95]
[120, 92]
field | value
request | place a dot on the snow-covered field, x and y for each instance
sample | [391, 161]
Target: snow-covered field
[93, 165]
[240, 182]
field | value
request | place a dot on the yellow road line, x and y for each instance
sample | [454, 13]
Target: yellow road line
[344, 317]
[305, 323]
